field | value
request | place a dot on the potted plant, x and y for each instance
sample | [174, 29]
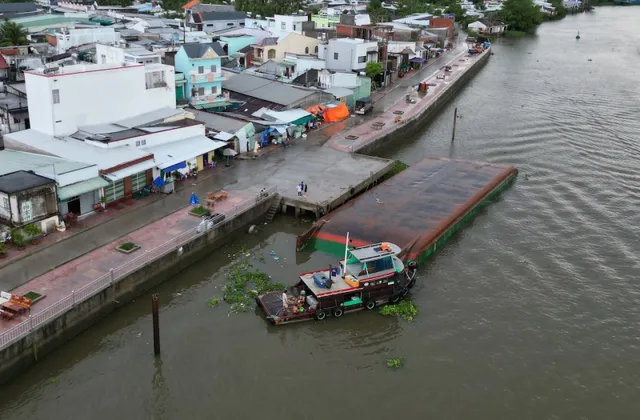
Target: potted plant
[103, 201]
[18, 239]
[176, 176]
[33, 232]
[3, 250]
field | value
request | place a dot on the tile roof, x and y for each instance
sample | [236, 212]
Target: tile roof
[198, 49]
[268, 41]
[191, 4]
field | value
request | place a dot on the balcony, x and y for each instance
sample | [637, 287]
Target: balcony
[208, 77]
[209, 99]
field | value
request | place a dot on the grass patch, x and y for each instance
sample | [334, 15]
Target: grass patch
[398, 167]
[514, 34]
[214, 302]
[395, 363]
[127, 246]
[199, 211]
[246, 283]
[405, 309]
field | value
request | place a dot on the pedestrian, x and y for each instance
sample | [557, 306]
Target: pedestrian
[299, 188]
[285, 301]
[305, 190]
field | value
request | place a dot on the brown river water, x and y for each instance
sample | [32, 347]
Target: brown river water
[531, 312]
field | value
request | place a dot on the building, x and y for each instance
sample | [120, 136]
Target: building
[255, 92]
[14, 110]
[335, 83]
[78, 185]
[194, 6]
[421, 20]
[64, 38]
[17, 10]
[293, 43]
[4, 69]
[201, 65]
[235, 42]
[487, 26]
[216, 21]
[109, 54]
[27, 198]
[279, 25]
[443, 22]
[65, 98]
[348, 54]
[239, 134]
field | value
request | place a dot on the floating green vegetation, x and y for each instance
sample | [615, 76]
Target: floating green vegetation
[398, 167]
[395, 363]
[214, 302]
[405, 309]
[245, 284]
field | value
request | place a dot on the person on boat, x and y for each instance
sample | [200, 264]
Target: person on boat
[302, 298]
[285, 301]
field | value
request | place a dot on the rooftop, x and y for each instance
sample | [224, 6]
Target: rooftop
[198, 49]
[215, 16]
[265, 89]
[218, 121]
[12, 161]
[22, 180]
[79, 68]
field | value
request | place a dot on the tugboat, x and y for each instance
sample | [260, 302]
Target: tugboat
[367, 277]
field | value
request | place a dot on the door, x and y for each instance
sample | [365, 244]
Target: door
[73, 205]
[138, 181]
[115, 191]
[205, 160]
[86, 202]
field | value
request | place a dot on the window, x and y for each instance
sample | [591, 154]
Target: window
[294, 27]
[283, 25]
[138, 181]
[213, 68]
[335, 56]
[5, 203]
[56, 96]
[271, 54]
[362, 59]
[214, 90]
[137, 143]
[316, 49]
[103, 59]
[230, 24]
[114, 191]
[200, 69]
[143, 142]
[306, 50]
[201, 91]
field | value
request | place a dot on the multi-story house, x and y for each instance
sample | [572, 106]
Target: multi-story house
[201, 65]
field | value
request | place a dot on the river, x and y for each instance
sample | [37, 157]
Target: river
[531, 312]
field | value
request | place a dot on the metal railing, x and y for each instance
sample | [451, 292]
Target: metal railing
[115, 274]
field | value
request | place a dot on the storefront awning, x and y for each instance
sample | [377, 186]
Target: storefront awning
[175, 167]
[130, 170]
[176, 153]
[82, 187]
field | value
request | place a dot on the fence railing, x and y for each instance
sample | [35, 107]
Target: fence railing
[117, 273]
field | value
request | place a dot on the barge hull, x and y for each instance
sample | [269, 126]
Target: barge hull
[419, 209]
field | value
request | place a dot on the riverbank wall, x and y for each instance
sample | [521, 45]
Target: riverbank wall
[420, 119]
[44, 338]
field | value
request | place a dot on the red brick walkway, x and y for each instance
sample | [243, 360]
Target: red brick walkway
[60, 282]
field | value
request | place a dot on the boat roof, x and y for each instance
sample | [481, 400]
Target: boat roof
[339, 285]
[374, 252]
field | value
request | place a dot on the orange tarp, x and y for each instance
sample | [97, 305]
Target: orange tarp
[316, 109]
[337, 113]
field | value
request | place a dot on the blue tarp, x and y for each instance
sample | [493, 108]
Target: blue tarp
[175, 167]
[194, 199]
[158, 182]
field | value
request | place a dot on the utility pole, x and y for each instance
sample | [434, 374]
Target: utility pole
[455, 118]
[156, 324]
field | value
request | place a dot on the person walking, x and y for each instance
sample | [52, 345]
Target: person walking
[305, 190]
[299, 188]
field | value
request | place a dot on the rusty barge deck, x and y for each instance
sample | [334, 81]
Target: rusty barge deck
[419, 209]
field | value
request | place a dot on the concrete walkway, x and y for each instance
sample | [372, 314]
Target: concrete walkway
[327, 172]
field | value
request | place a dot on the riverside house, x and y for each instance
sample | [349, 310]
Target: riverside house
[201, 64]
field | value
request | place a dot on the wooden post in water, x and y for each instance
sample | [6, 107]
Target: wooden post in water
[455, 118]
[156, 324]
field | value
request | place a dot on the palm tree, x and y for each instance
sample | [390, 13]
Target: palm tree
[12, 33]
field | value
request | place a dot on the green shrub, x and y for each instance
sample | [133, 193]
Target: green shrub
[3, 248]
[127, 246]
[200, 210]
[32, 230]
[17, 237]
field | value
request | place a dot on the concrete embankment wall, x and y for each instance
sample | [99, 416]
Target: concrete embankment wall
[46, 338]
[414, 123]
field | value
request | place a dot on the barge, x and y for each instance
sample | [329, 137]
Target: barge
[367, 277]
[418, 209]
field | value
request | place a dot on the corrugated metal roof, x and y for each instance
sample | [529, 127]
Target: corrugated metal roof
[12, 161]
[219, 122]
[339, 92]
[150, 117]
[215, 16]
[265, 89]
[79, 188]
[22, 180]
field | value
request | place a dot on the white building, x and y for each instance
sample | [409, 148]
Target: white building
[69, 38]
[108, 54]
[279, 25]
[63, 99]
[348, 54]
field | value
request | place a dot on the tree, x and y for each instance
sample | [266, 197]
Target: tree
[377, 12]
[12, 33]
[521, 15]
[373, 69]
[560, 9]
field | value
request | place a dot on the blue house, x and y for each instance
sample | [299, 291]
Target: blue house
[201, 65]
